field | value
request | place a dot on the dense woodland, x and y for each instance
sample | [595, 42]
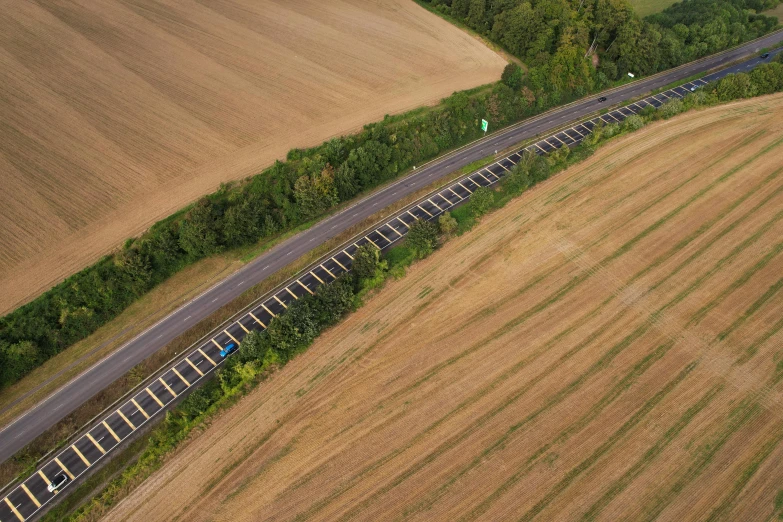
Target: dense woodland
[311, 182]
[561, 41]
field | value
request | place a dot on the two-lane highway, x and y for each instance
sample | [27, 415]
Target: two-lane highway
[80, 389]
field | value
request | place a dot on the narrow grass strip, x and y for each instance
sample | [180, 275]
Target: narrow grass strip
[709, 224]
[500, 443]
[752, 309]
[510, 325]
[736, 419]
[715, 301]
[618, 435]
[751, 350]
[619, 485]
[616, 391]
[760, 264]
[653, 318]
[748, 473]
[629, 219]
[695, 197]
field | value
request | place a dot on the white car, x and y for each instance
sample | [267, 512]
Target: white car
[58, 482]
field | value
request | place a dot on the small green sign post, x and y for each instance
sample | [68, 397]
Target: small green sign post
[484, 125]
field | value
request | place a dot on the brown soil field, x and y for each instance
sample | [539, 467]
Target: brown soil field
[116, 113]
[605, 347]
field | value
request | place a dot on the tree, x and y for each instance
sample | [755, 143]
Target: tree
[447, 224]
[512, 76]
[422, 238]
[518, 178]
[165, 245]
[16, 360]
[137, 267]
[199, 233]
[539, 170]
[369, 162]
[241, 224]
[671, 108]
[366, 260]
[481, 201]
[332, 301]
[345, 182]
[633, 123]
[316, 193]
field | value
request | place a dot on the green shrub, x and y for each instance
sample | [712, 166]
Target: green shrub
[481, 201]
[671, 108]
[633, 123]
[447, 224]
[422, 238]
[512, 76]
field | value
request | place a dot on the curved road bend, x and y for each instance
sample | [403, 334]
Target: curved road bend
[69, 397]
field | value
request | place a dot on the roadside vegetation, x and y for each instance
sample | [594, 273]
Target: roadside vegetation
[292, 332]
[314, 181]
[584, 47]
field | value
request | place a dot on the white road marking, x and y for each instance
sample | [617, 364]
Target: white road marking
[161, 335]
[188, 317]
[215, 299]
[267, 266]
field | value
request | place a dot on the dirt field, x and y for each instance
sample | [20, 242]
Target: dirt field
[606, 347]
[776, 12]
[117, 113]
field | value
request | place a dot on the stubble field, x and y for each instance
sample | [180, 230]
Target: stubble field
[606, 347]
[116, 113]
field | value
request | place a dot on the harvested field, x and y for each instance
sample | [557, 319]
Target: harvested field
[605, 347]
[117, 113]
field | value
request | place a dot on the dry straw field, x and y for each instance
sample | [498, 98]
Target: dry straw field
[606, 347]
[115, 113]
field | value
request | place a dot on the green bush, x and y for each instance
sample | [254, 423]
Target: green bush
[512, 76]
[633, 123]
[447, 224]
[366, 261]
[671, 108]
[422, 238]
[481, 201]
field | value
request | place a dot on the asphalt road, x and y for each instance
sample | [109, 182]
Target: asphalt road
[69, 397]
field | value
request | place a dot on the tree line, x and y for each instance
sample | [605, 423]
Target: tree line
[313, 181]
[575, 47]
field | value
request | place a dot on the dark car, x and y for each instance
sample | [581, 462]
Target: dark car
[58, 482]
[765, 55]
[602, 99]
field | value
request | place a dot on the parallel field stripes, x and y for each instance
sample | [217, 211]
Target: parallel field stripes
[32, 494]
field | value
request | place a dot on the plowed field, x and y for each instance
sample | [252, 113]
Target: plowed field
[606, 347]
[116, 113]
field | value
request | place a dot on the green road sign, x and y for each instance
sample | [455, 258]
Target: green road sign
[484, 125]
